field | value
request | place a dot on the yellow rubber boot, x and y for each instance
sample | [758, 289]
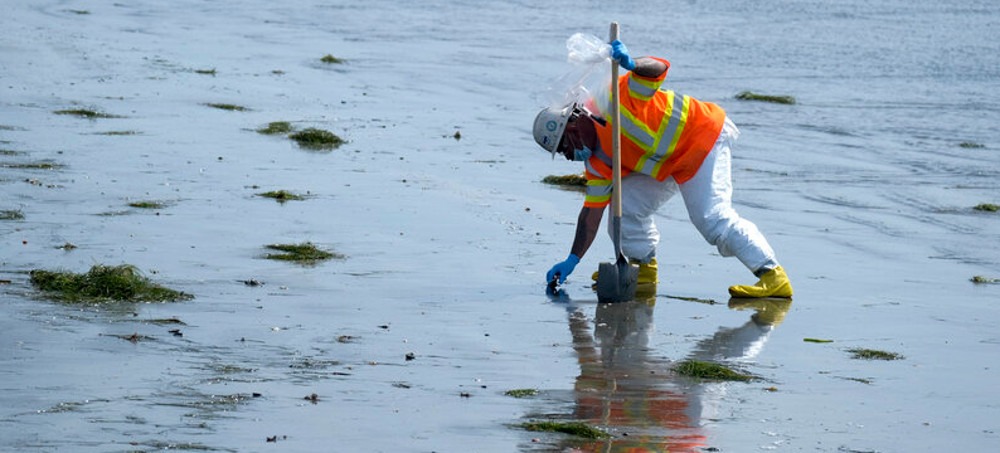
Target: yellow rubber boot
[648, 272]
[772, 284]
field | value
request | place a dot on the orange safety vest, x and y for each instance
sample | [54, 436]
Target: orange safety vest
[664, 134]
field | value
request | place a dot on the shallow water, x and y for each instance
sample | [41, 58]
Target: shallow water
[862, 187]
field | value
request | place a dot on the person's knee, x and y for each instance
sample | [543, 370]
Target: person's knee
[714, 224]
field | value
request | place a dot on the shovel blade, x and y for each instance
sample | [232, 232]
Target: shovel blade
[616, 282]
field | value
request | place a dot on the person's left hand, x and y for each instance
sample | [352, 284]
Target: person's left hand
[620, 53]
[563, 269]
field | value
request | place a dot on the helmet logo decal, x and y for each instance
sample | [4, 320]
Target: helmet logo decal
[551, 126]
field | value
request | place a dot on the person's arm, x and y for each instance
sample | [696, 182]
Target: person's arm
[586, 229]
[649, 67]
[587, 225]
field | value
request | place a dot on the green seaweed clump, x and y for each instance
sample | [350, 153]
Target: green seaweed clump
[330, 59]
[34, 166]
[873, 354]
[10, 214]
[986, 207]
[521, 393]
[566, 180]
[971, 145]
[305, 252]
[205, 71]
[103, 283]
[276, 127]
[816, 340]
[85, 113]
[166, 321]
[707, 370]
[751, 96]
[147, 205]
[984, 279]
[855, 379]
[573, 428]
[230, 107]
[281, 196]
[316, 139]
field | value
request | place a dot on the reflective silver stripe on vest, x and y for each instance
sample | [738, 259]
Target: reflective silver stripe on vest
[591, 169]
[642, 137]
[667, 138]
[603, 156]
[640, 89]
[597, 193]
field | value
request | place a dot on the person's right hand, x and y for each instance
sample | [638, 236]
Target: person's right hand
[563, 269]
[620, 53]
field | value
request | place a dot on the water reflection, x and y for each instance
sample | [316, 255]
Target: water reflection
[627, 388]
[733, 346]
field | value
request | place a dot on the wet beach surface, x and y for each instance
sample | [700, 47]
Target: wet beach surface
[409, 341]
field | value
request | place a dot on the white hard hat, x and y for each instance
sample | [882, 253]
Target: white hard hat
[550, 125]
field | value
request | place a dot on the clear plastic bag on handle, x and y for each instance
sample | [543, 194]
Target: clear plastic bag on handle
[587, 49]
[590, 75]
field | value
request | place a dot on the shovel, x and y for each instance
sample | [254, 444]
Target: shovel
[616, 282]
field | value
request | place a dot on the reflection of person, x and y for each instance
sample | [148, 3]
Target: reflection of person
[743, 343]
[735, 345]
[670, 143]
[620, 385]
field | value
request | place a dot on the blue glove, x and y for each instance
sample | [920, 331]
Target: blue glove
[620, 52]
[563, 269]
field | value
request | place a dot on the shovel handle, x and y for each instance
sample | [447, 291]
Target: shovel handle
[616, 135]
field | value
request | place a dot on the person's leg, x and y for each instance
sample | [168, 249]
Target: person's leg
[642, 196]
[708, 198]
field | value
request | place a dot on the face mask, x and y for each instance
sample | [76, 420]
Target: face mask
[580, 155]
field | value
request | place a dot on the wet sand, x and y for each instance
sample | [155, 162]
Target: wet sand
[439, 306]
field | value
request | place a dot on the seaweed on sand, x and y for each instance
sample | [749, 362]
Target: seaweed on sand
[751, 96]
[330, 59]
[707, 370]
[521, 393]
[147, 204]
[314, 138]
[305, 252]
[873, 354]
[103, 284]
[576, 181]
[33, 166]
[134, 338]
[573, 428]
[85, 113]
[986, 207]
[984, 279]
[9, 214]
[166, 321]
[276, 127]
[281, 195]
[230, 107]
